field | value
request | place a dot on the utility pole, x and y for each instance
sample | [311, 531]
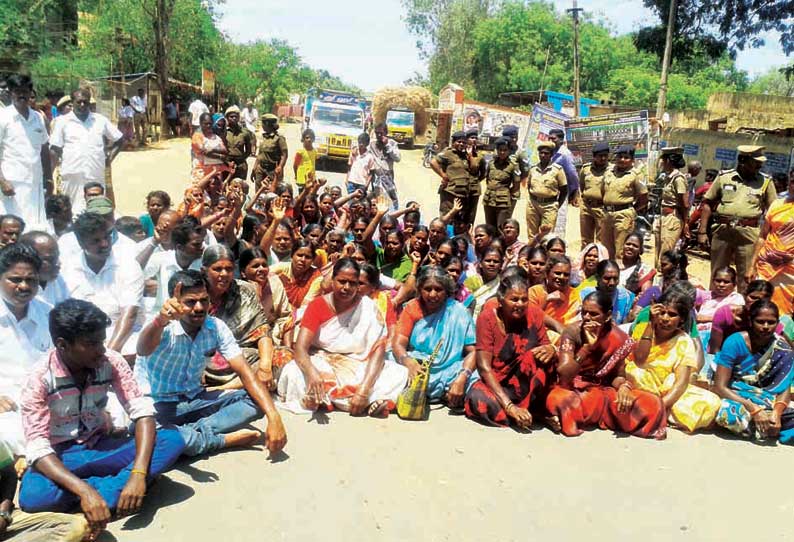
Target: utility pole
[668, 52]
[576, 97]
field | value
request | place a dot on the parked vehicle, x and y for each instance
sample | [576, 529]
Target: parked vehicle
[400, 125]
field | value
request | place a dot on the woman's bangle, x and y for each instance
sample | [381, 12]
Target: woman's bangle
[138, 471]
[644, 338]
[508, 406]
[627, 384]
[785, 405]
[466, 371]
[756, 411]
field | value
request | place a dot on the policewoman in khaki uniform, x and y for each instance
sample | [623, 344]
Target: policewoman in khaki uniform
[454, 166]
[520, 158]
[239, 141]
[737, 199]
[502, 180]
[674, 218]
[591, 183]
[548, 188]
[625, 193]
[272, 153]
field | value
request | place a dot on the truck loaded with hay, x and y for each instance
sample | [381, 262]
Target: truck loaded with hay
[404, 110]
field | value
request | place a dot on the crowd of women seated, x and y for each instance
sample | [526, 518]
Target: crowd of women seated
[337, 303]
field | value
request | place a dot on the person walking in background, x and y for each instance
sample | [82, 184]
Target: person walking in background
[126, 120]
[196, 109]
[250, 117]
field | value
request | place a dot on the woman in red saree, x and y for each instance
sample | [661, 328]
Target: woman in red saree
[590, 372]
[514, 358]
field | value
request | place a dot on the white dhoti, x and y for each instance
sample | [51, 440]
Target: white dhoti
[27, 203]
[72, 185]
[11, 431]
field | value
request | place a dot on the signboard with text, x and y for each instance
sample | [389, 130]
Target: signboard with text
[543, 120]
[617, 129]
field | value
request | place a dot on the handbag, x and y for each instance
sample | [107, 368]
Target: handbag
[412, 403]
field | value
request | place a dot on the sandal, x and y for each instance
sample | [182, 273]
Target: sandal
[380, 408]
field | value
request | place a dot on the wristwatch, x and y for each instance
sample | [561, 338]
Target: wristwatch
[6, 515]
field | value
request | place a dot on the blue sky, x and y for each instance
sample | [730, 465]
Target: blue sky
[367, 44]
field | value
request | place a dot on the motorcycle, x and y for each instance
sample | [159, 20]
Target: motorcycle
[430, 151]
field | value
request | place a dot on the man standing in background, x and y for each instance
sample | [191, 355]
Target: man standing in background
[24, 157]
[78, 144]
[138, 104]
[564, 158]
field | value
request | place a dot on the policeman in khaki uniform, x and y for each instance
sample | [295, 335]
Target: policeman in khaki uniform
[548, 188]
[674, 218]
[591, 183]
[239, 141]
[454, 165]
[502, 180]
[738, 199]
[520, 158]
[625, 193]
[272, 153]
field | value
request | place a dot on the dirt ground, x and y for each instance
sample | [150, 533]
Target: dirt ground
[345, 479]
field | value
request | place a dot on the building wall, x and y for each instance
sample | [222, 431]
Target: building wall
[717, 150]
[740, 110]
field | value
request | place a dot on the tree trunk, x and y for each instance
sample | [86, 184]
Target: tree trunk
[161, 21]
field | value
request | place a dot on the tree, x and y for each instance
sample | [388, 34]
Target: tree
[159, 13]
[776, 81]
[443, 29]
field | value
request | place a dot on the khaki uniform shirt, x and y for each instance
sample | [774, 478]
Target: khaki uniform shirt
[521, 160]
[456, 166]
[736, 197]
[236, 143]
[591, 182]
[499, 180]
[623, 187]
[271, 149]
[546, 182]
[674, 185]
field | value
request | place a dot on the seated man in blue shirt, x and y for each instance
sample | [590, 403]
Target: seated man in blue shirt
[173, 349]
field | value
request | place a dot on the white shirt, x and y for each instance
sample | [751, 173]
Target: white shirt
[117, 287]
[21, 140]
[250, 117]
[126, 112]
[55, 291]
[196, 109]
[162, 266]
[83, 144]
[124, 248]
[138, 104]
[24, 342]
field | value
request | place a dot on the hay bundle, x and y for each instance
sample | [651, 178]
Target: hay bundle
[417, 99]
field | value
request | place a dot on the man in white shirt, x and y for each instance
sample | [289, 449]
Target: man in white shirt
[187, 238]
[113, 284]
[52, 287]
[24, 335]
[24, 157]
[196, 109]
[250, 117]
[78, 143]
[138, 104]
[125, 248]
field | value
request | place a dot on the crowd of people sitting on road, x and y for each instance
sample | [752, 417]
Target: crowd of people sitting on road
[128, 342]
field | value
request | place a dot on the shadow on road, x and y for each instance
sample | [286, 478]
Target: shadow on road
[165, 492]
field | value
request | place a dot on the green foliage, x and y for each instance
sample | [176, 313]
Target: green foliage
[119, 35]
[777, 81]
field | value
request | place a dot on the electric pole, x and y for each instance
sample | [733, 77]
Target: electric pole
[576, 97]
[668, 51]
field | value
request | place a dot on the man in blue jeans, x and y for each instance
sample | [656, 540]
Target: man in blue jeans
[173, 349]
[74, 460]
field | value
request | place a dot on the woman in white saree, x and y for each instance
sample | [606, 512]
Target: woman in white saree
[340, 354]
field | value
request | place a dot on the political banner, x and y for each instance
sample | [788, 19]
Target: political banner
[489, 120]
[617, 129]
[543, 120]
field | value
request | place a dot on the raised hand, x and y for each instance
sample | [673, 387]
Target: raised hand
[173, 309]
